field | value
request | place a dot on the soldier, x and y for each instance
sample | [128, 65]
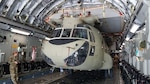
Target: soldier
[13, 61]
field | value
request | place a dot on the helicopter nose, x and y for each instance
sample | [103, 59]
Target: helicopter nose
[79, 56]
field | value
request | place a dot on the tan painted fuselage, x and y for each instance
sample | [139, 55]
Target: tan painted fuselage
[58, 53]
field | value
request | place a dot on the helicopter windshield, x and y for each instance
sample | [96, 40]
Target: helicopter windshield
[66, 33]
[76, 33]
[80, 33]
[56, 33]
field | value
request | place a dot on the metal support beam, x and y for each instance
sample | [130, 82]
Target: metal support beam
[138, 65]
[148, 67]
[133, 17]
[130, 60]
[134, 61]
[23, 26]
[147, 25]
[145, 67]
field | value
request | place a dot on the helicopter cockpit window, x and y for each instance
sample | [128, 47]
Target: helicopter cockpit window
[92, 39]
[80, 33]
[66, 33]
[56, 33]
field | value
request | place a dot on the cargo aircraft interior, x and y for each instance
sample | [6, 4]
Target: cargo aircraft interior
[74, 42]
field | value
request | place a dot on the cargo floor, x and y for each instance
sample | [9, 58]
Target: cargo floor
[78, 77]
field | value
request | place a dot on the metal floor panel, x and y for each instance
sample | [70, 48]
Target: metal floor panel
[91, 78]
[46, 79]
[79, 77]
[26, 75]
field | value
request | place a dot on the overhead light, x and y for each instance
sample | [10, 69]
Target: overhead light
[46, 38]
[19, 31]
[127, 38]
[134, 28]
[144, 29]
[123, 43]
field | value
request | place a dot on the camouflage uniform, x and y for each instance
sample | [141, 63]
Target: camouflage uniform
[13, 69]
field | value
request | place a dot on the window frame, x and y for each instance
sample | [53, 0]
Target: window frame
[81, 29]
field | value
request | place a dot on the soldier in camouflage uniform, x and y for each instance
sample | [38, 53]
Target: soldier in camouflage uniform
[13, 61]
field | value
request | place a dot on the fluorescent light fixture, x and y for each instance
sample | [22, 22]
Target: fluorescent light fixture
[127, 38]
[123, 43]
[46, 38]
[19, 31]
[144, 29]
[134, 28]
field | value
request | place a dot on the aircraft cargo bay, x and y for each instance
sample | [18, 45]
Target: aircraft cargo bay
[74, 42]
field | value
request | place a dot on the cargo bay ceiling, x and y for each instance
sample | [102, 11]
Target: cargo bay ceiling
[31, 14]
